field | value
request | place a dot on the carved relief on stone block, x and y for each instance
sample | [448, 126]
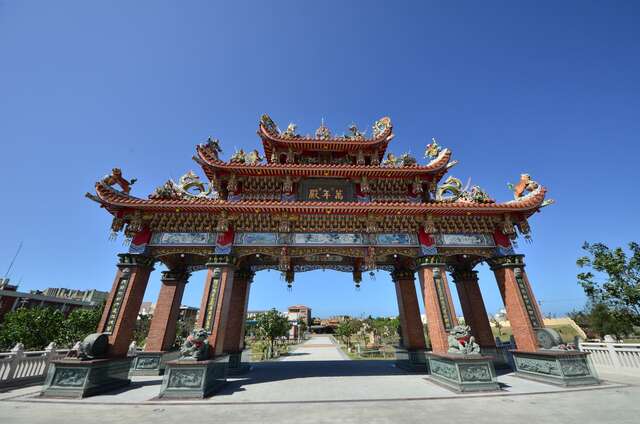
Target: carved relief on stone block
[70, 377]
[186, 378]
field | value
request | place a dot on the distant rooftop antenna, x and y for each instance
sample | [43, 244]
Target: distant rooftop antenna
[6, 274]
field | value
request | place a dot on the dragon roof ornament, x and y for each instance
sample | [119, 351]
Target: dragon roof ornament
[452, 191]
[189, 186]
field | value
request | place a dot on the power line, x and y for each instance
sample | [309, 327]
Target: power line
[13, 260]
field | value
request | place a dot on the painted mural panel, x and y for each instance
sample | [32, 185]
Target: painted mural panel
[464, 240]
[328, 238]
[396, 239]
[256, 239]
[182, 239]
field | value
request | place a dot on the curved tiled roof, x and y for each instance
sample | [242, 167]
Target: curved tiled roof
[115, 200]
[335, 144]
[212, 164]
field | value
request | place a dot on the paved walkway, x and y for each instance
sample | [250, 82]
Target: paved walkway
[332, 389]
[317, 348]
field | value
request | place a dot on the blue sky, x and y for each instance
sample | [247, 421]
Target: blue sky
[549, 88]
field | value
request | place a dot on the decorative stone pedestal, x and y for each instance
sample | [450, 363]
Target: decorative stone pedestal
[77, 378]
[194, 379]
[236, 366]
[559, 367]
[463, 373]
[152, 363]
[412, 360]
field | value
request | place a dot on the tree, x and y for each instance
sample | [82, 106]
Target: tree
[302, 328]
[598, 319]
[497, 325]
[142, 329]
[35, 328]
[619, 285]
[271, 325]
[184, 326]
[346, 329]
[78, 325]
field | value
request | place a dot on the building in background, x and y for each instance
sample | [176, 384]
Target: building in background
[297, 315]
[93, 295]
[188, 313]
[11, 299]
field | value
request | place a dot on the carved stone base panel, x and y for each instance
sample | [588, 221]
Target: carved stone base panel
[194, 379]
[412, 360]
[560, 368]
[463, 373]
[152, 363]
[78, 379]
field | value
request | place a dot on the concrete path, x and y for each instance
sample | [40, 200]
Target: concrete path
[317, 348]
[301, 389]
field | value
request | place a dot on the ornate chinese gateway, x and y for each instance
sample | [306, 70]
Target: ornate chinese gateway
[319, 202]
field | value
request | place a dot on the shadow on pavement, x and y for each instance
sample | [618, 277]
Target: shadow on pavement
[264, 372]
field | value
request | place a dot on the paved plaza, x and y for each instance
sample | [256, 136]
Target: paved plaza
[317, 383]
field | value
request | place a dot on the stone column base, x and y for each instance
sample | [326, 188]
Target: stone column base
[463, 373]
[412, 360]
[236, 366]
[194, 379]
[78, 379]
[152, 363]
[559, 367]
[499, 357]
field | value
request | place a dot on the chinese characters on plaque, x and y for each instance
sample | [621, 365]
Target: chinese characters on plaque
[326, 190]
[326, 194]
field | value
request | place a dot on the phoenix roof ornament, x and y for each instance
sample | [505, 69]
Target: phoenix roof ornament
[432, 150]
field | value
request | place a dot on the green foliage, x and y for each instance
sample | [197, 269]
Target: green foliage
[383, 329]
[78, 325]
[142, 329]
[302, 327]
[599, 319]
[183, 329]
[619, 286]
[271, 325]
[33, 327]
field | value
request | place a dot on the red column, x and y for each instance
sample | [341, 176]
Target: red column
[475, 313]
[234, 333]
[122, 307]
[409, 311]
[216, 301]
[438, 304]
[162, 332]
[522, 310]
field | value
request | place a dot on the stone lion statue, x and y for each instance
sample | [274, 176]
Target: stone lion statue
[196, 346]
[462, 342]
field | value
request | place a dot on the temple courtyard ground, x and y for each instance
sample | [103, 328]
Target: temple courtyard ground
[318, 383]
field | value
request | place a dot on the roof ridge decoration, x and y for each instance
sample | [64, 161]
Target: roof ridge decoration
[381, 128]
[526, 188]
[189, 186]
[116, 178]
[116, 200]
[213, 145]
[452, 191]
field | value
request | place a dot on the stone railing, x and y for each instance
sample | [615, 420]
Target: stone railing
[614, 357]
[21, 368]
